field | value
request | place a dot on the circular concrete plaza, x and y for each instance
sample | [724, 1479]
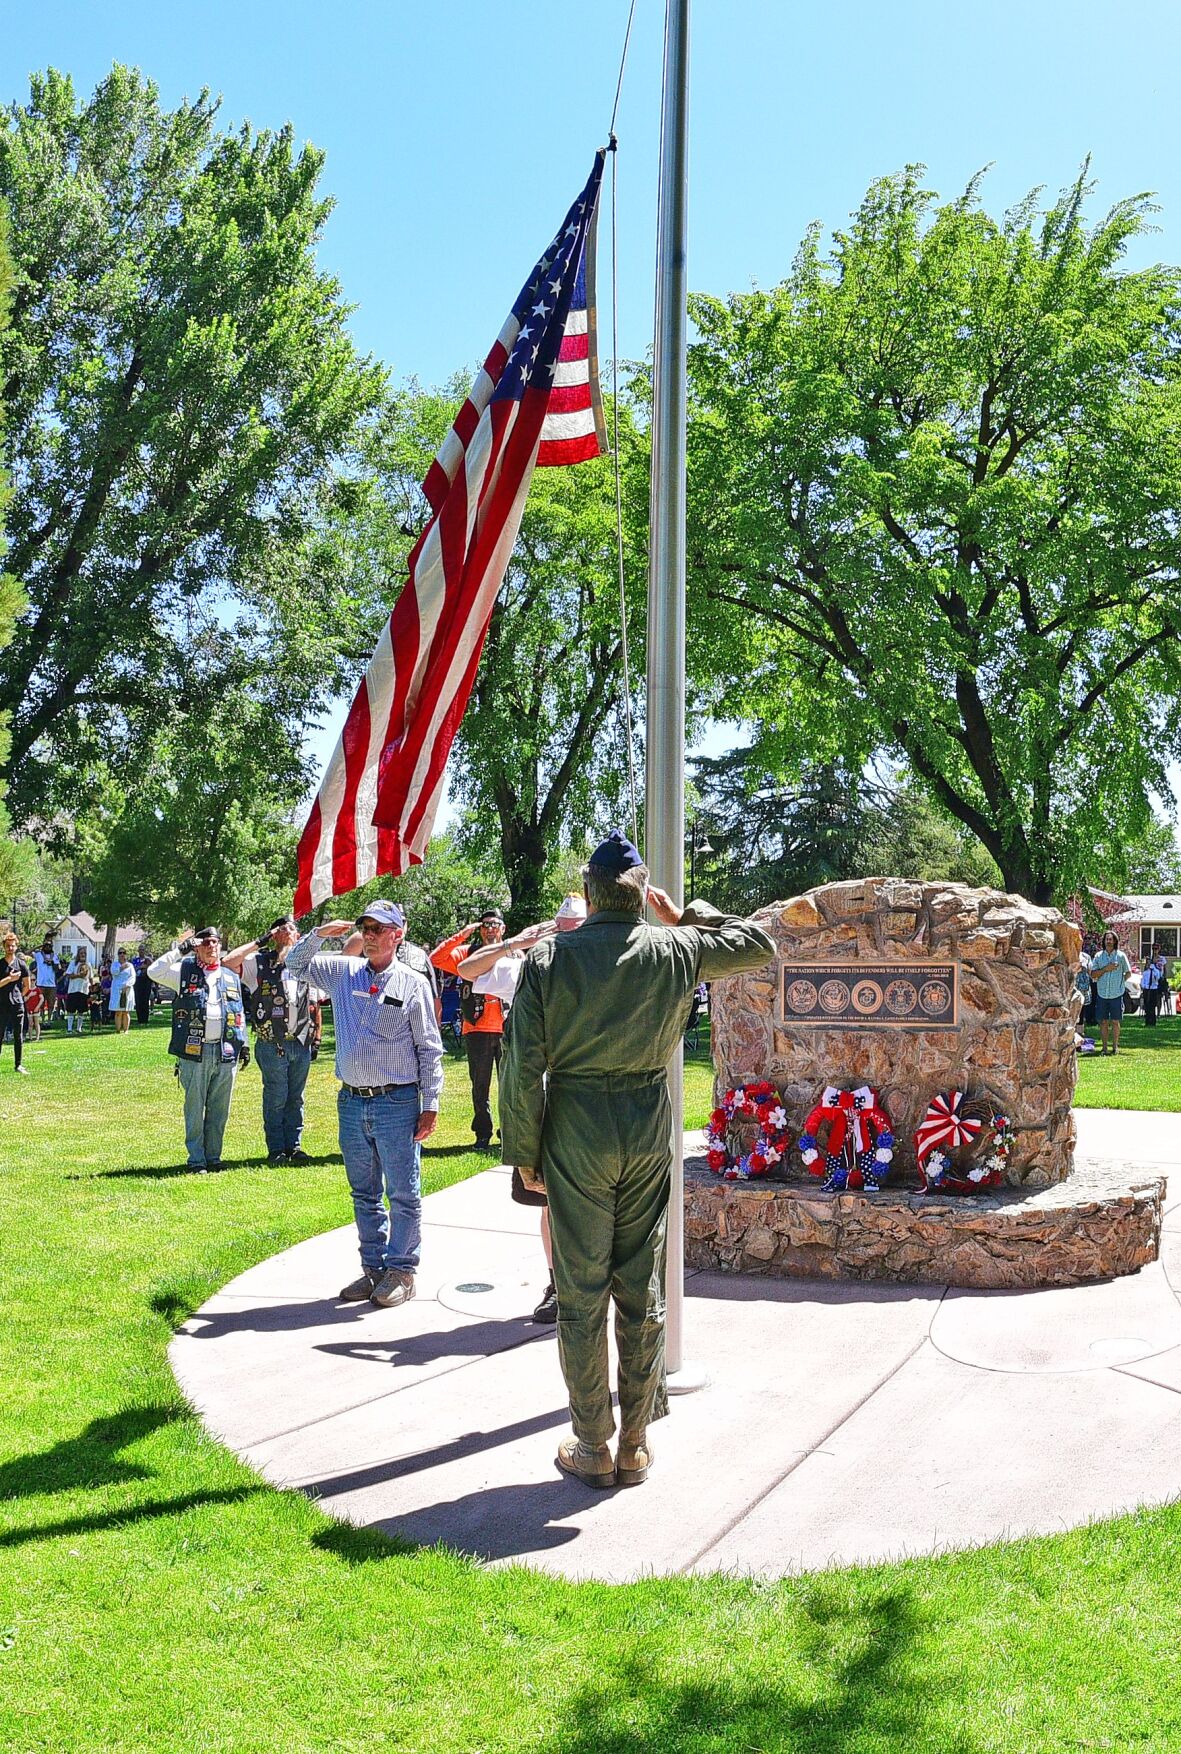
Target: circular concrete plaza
[842, 1423]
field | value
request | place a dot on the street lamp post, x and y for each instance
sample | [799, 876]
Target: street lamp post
[695, 846]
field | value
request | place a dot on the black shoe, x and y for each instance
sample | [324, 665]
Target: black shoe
[298, 1156]
[278, 1157]
[547, 1310]
[483, 1145]
[215, 1163]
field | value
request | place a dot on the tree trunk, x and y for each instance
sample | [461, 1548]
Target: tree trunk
[523, 853]
[1020, 878]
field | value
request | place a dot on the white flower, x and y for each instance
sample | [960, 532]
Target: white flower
[886, 1156]
[978, 1173]
[777, 1118]
[809, 1156]
[772, 1153]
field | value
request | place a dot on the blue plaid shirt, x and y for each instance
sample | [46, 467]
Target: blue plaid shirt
[385, 1023]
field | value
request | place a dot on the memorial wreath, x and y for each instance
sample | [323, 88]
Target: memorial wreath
[948, 1126]
[754, 1107]
[858, 1146]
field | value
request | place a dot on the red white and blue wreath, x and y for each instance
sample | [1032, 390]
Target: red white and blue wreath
[746, 1108]
[859, 1146]
[948, 1127]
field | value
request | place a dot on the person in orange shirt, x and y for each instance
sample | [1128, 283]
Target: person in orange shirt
[483, 1016]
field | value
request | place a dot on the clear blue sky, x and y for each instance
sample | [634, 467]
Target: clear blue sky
[457, 135]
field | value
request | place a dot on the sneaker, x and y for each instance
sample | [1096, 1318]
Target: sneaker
[393, 1288]
[278, 1157]
[590, 1463]
[633, 1461]
[23, 1070]
[547, 1310]
[298, 1156]
[361, 1290]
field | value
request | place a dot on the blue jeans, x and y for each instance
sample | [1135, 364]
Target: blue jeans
[208, 1084]
[377, 1142]
[284, 1074]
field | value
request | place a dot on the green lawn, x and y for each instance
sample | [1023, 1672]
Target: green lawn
[1146, 1073]
[156, 1595]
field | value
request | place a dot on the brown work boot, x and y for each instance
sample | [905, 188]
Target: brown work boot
[393, 1288]
[589, 1462]
[633, 1461]
[361, 1290]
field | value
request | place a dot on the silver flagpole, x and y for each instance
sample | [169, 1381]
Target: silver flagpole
[665, 792]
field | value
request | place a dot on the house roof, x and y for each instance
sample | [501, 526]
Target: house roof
[90, 928]
[1154, 910]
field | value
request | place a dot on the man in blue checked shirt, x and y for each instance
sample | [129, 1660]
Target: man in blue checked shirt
[389, 1059]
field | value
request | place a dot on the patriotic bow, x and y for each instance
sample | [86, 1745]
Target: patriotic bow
[945, 1124]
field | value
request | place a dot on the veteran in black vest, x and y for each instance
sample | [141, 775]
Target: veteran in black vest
[208, 1038]
[279, 1007]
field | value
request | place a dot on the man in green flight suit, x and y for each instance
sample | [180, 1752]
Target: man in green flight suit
[584, 1111]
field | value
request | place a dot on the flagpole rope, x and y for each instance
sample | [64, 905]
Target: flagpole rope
[613, 148]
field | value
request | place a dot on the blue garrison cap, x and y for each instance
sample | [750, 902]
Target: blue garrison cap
[615, 855]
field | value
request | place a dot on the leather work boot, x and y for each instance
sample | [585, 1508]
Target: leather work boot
[633, 1461]
[590, 1463]
[393, 1288]
[361, 1290]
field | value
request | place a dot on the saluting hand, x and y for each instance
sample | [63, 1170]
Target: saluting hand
[534, 934]
[336, 928]
[663, 906]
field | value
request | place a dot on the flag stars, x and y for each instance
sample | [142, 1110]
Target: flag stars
[541, 310]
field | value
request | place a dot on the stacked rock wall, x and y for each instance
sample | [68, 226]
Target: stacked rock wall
[1012, 1044]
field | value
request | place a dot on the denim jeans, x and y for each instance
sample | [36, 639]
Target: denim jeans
[284, 1074]
[377, 1142]
[208, 1084]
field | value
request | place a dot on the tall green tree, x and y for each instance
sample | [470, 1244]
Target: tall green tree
[934, 480]
[206, 836]
[774, 834]
[16, 858]
[181, 389]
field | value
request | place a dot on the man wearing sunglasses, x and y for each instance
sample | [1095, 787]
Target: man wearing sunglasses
[389, 1059]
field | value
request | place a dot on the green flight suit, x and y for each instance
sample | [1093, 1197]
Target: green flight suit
[597, 1017]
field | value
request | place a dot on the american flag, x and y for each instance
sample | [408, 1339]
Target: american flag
[535, 402]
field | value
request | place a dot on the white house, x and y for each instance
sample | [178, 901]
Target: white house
[1151, 922]
[81, 931]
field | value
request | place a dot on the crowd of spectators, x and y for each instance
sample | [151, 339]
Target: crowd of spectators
[69, 988]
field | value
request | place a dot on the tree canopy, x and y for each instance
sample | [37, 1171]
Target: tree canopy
[934, 480]
[16, 860]
[182, 397]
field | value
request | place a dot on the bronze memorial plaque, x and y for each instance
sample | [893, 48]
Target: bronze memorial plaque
[886, 995]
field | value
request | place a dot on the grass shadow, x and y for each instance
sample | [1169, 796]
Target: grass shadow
[492, 1155]
[93, 1458]
[361, 1546]
[862, 1687]
[128, 1514]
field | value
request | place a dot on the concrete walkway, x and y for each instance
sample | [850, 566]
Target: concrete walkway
[843, 1423]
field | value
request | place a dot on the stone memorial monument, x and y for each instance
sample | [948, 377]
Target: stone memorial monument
[915, 990]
